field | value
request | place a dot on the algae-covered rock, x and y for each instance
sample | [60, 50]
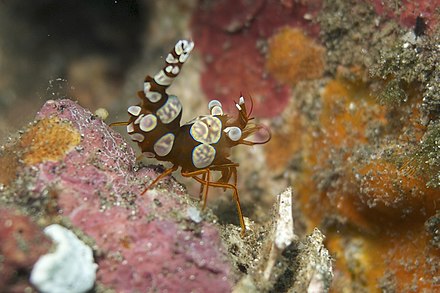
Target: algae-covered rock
[93, 187]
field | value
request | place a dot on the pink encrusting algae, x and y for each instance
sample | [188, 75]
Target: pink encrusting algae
[22, 242]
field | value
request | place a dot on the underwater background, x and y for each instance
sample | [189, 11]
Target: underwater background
[349, 89]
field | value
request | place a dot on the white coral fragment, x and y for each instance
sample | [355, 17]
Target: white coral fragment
[194, 214]
[70, 268]
[284, 234]
[315, 272]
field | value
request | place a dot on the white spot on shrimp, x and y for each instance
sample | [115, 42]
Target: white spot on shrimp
[163, 145]
[147, 87]
[233, 132]
[130, 128]
[162, 79]
[148, 122]
[217, 110]
[214, 103]
[171, 59]
[134, 110]
[153, 96]
[137, 137]
[183, 57]
[206, 129]
[175, 70]
[183, 46]
[203, 155]
[149, 154]
[170, 110]
[138, 120]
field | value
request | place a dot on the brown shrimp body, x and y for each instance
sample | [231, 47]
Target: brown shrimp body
[201, 145]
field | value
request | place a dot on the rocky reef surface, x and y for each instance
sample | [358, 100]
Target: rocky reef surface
[348, 88]
[74, 170]
[74, 219]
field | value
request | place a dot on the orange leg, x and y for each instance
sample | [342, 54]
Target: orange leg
[205, 174]
[205, 196]
[118, 124]
[158, 178]
[226, 170]
[235, 194]
[234, 174]
[202, 186]
[236, 198]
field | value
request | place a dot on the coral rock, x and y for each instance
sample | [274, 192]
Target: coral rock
[357, 183]
[21, 243]
[146, 242]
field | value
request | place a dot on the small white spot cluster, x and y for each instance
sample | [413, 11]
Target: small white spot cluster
[172, 69]
[182, 49]
[240, 102]
[234, 133]
[70, 268]
[147, 123]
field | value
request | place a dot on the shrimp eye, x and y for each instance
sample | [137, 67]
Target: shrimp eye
[233, 132]
[215, 107]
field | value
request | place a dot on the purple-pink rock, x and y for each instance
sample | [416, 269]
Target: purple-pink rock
[143, 243]
[21, 244]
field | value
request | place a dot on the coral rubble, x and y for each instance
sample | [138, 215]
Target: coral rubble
[357, 181]
[361, 148]
[70, 268]
[280, 261]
